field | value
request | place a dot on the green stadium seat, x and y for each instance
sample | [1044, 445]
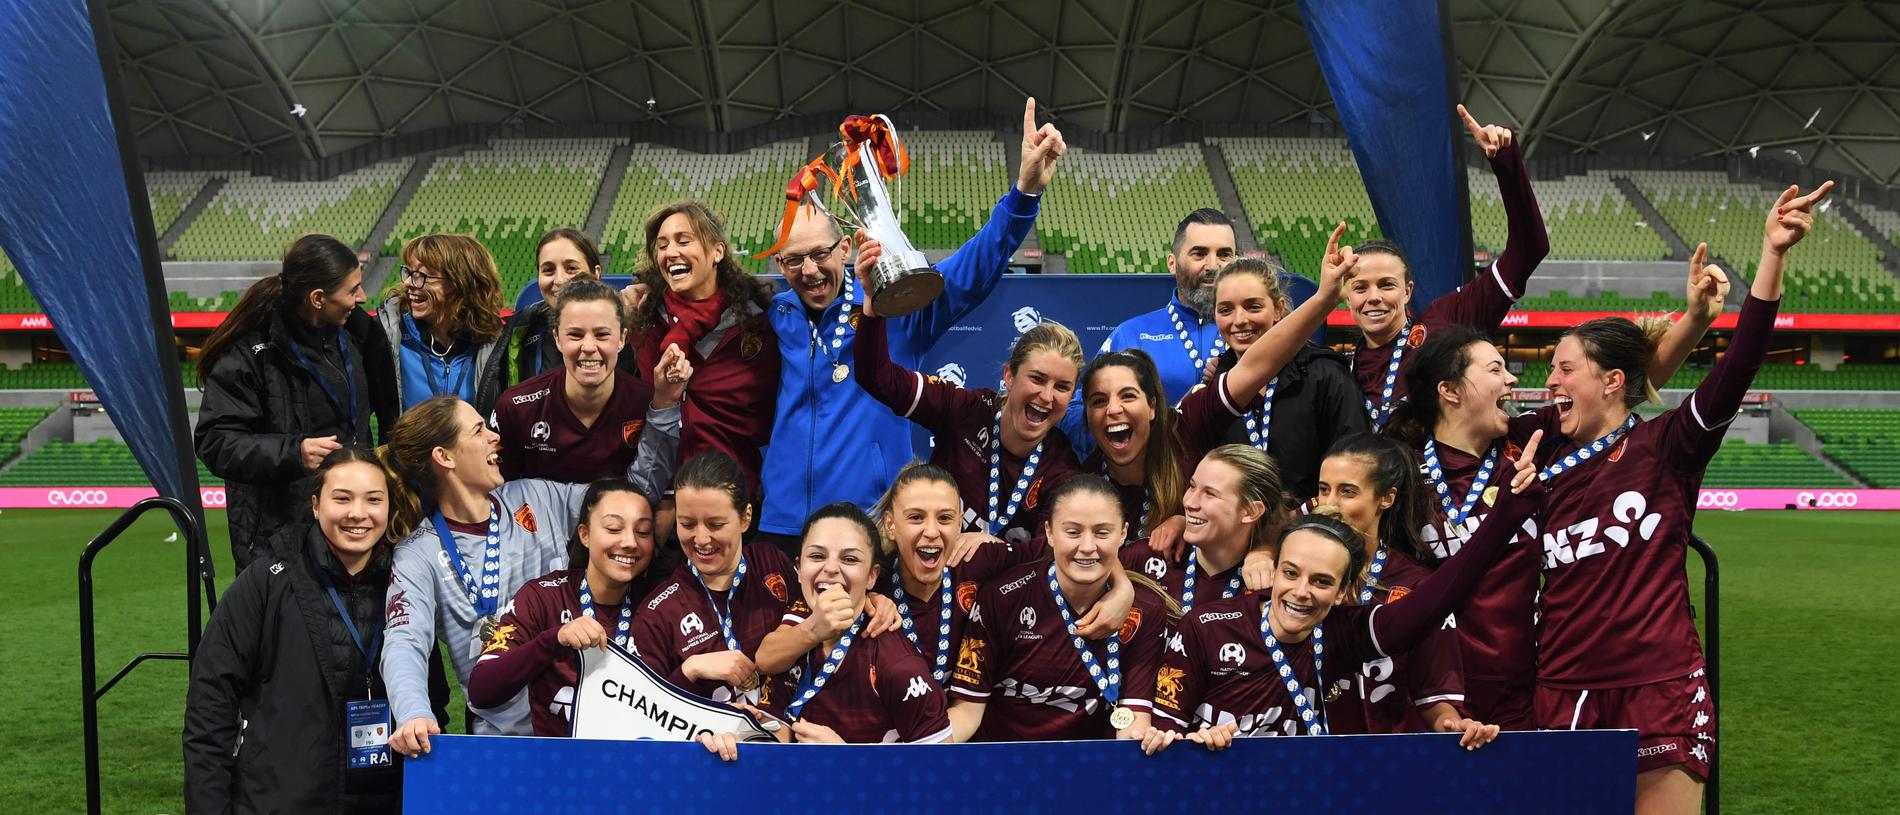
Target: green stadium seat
[1741, 465]
[1115, 212]
[746, 189]
[1295, 192]
[102, 463]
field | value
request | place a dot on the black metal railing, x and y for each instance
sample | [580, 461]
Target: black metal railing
[1711, 626]
[201, 594]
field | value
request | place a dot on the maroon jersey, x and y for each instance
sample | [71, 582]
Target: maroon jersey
[1018, 658]
[681, 619]
[882, 692]
[1616, 529]
[729, 403]
[1497, 630]
[1394, 692]
[1171, 575]
[525, 650]
[1217, 669]
[926, 613]
[1481, 303]
[960, 421]
[542, 438]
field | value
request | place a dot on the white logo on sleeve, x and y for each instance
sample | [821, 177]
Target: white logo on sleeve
[953, 374]
[917, 688]
[1232, 652]
[1026, 318]
[1174, 643]
[690, 624]
[1027, 618]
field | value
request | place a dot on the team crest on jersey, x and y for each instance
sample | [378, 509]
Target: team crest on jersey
[691, 624]
[397, 612]
[1168, 685]
[970, 660]
[1131, 625]
[525, 517]
[1417, 337]
[775, 584]
[1155, 567]
[1511, 450]
[1035, 491]
[1396, 594]
[966, 595]
[750, 345]
[540, 431]
[630, 432]
[1232, 652]
[1027, 617]
[498, 642]
[1617, 453]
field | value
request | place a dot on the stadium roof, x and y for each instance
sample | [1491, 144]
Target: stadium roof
[1810, 81]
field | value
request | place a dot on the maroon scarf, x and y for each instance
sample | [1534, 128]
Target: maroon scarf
[691, 319]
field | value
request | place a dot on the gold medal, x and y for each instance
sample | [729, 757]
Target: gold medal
[840, 372]
[1333, 693]
[486, 627]
[1121, 718]
[750, 682]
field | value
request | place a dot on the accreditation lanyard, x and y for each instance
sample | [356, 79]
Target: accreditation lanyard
[346, 408]
[368, 651]
[1455, 515]
[1314, 720]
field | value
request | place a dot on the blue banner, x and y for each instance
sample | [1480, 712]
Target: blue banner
[80, 234]
[1384, 62]
[1548, 772]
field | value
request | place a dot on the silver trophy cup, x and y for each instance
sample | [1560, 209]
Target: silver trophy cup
[902, 281]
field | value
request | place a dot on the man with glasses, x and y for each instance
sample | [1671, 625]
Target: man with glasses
[830, 440]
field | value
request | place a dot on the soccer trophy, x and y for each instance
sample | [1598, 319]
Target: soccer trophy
[858, 167]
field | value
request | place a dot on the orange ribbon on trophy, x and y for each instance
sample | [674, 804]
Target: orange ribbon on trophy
[803, 183]
[877, 131]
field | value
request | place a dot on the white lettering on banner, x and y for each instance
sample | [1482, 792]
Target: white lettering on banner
[1826, 500]
[212, 498]
[619, 698]
[77, 498]
[1717, 499]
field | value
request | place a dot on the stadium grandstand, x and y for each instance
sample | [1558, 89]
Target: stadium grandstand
[1647, 126]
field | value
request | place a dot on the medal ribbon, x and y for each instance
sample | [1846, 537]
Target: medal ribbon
[1373, 570]
[941, 668]
[1187, 584]
[998, 523]
[834, 350]
[1583, 454]
[1380, 414]
[624, 626]
[1315, 726]
[1217, 347]
[1455, 516]
[816, 682]
[725, 619]
[1109, 682]
[1260, 422]
[485, 596]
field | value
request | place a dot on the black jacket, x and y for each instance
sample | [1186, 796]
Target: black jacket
[264, 723]
[1316, 404]
[260, 404]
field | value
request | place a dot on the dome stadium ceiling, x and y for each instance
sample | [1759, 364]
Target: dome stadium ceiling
[1813, 82]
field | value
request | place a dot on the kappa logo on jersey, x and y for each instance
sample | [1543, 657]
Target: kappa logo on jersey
[775, 584]
[1579, 540]
[1026, 318]
[1155, 568]
[690, 624]
[1027, 618]
[1175, 644]
[531, 397]
[1232, 652]
[661, 597]
[553, 583]
[966, 595]
[750, 345]
[1131, 625]
[953, 374]
[397, 612]
[916, 689]
[1016, 584]
[630, 432]
[540, 431]
[1217, 616]
[1168, 686]
[525, 517]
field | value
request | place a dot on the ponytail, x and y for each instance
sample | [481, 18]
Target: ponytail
[312, 262]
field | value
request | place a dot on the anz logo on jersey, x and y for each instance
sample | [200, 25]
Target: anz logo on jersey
[1271, 722]
[1445, 540]
[1630, 519]
[1066, 698]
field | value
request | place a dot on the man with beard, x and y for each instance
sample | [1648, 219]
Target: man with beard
[1181, 336]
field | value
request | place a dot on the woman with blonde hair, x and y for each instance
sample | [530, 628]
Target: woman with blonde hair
[442, 315]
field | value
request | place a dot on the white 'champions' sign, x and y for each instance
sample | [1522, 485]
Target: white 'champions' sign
[619, 698]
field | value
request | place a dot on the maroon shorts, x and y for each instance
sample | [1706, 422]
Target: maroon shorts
[1674, 719]
[1506, 703]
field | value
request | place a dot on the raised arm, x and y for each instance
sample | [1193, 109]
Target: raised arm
[1708, 289]
[1526, 242]
[659, 447]
[1265, 358]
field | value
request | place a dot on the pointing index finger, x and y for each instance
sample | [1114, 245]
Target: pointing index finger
[1477, 131]
[1530, 449]
[1029, 118]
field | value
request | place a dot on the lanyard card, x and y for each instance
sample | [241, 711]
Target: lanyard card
[369, 733]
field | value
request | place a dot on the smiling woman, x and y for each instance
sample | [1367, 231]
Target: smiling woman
[442, 317]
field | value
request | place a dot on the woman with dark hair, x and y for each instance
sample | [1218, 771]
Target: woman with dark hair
[296, 371]
[1022, 636]
[709, 307]
[1372, 483]
[1616, 647]
[1460, 430]
[1273, 663]
[585, 605]
[288, 663]
[562, 255]
[442, 316]
[453, 575]
[1379, 292]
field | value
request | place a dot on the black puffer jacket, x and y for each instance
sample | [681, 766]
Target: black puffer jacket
[1316, 404]
[264, 723]
[260, 404]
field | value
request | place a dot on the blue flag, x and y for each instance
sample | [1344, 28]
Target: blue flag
[80, 230]
[1384, 62]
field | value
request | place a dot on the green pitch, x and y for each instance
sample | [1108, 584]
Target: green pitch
[1808, 599]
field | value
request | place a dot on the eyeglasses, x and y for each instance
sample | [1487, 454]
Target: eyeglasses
[793, 263]
[414, 277]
